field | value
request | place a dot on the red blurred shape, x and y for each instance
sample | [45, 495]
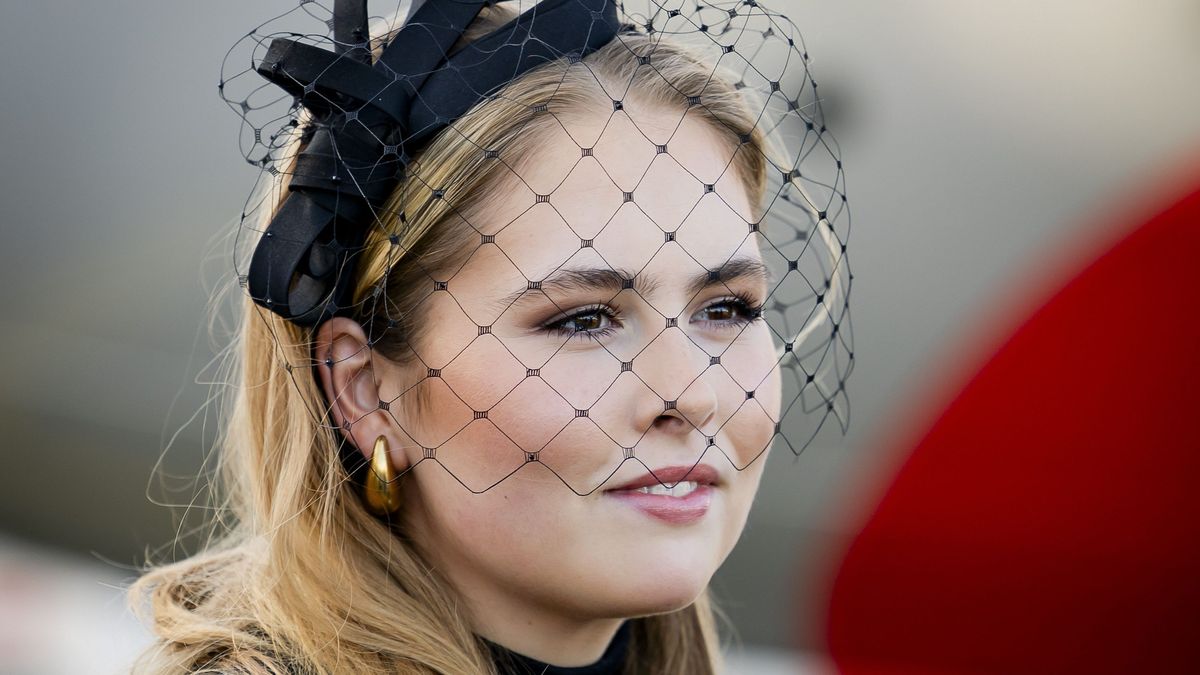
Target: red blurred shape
[1049, 521]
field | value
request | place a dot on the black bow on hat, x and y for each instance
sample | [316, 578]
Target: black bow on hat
[369, 119]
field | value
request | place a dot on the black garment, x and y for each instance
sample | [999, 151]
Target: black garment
[610, 663]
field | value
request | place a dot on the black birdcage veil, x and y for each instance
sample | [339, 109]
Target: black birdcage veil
[339, 106]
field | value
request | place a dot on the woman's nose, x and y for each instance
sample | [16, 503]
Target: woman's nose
[675, 369]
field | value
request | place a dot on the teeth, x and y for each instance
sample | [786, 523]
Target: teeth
[681, 489]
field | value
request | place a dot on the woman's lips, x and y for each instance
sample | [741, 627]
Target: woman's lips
[669, 508]
[670, 475]
[673, 510]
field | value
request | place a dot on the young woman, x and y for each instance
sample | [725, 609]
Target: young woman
[553, 356]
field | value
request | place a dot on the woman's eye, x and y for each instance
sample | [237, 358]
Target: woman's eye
[591, 322]
[721, 312]
[597, 322]
[731, 311]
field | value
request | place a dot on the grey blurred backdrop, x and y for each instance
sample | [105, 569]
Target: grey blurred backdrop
[980, 141]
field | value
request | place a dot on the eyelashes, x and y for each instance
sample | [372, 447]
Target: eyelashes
[595, 322]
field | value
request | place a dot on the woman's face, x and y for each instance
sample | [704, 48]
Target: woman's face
[585, 383]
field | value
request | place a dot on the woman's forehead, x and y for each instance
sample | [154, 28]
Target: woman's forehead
[621, 201]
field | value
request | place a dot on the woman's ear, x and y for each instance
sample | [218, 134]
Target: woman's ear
[345, 363]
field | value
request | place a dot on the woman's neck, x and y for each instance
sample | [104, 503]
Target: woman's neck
[553, 642]
[611, 662]
[509, 615]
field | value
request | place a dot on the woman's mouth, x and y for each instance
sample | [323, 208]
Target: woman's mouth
[680, 489]
[665, 494]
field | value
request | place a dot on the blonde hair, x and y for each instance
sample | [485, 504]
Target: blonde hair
[302, 578]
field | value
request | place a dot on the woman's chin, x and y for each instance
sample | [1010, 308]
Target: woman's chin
[661, 603]
[661, 588]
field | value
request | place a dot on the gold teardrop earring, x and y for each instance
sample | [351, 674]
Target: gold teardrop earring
[381, 490]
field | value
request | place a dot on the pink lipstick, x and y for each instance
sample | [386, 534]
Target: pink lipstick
[677, 495]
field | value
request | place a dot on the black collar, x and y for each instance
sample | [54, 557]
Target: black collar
[612, 662]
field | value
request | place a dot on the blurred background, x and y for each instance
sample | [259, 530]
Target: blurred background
[983, 142]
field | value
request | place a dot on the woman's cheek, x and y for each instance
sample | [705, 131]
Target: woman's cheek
[751, 426]
[503, 528]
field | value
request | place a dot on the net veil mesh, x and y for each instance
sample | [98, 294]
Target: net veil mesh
[799, 232]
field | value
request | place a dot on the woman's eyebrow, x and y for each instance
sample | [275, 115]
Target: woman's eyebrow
[607, 279]
[740, 267]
